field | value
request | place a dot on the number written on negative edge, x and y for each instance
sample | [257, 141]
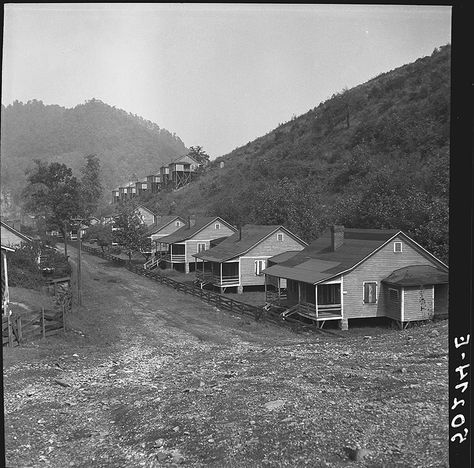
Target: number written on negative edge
[459, 419]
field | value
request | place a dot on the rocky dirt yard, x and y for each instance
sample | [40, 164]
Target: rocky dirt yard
[147, 376]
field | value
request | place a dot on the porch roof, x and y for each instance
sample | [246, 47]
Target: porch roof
[417, 275]
[318, 261]
[283, 257]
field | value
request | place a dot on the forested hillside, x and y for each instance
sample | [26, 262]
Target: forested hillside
[374, 156]
[125, 144]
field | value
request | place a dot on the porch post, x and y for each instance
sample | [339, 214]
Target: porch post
[316, 300]
[266, 289]
[221, 277]
[186, 263]
[299, 292]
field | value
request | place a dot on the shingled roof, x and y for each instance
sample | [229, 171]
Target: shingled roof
[417, 275]
[238, 244]
[187, 231]
[319, 262]
[163, 222]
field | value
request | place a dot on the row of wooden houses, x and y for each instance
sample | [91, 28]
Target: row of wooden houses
[175, 175]
[344, 274]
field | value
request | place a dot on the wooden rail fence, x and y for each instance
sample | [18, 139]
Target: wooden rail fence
[45, 322]
[216, 299]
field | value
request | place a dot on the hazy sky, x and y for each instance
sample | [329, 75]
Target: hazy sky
[216, 75]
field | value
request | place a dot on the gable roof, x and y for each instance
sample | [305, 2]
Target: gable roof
[187, 232]
[163, 222]
[22, 236]
[145, 208]
[182, 158]
[235, 245]
[318, 262]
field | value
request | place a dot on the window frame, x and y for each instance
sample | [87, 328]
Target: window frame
[376, 292]
[199, 245]
[259, 266]
[395, 247]
[280, 237]
[217, 226]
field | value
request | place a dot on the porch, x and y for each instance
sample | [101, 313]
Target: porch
[222, 275]
[316, 302]
[175, 254]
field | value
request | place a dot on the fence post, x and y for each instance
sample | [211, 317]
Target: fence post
[10, 340]
[19, 330]
[42, 323]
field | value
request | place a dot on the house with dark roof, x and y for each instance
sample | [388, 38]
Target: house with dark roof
[239, 260]
[360, 273]
[196, 235]
[12, 237]
[164, 226]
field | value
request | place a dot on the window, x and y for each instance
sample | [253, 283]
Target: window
[393, 294]
[397, 247]
[201, 247]
[178, 223]
[370, 292]
[260, 265]
[217, 225]
[280, 237]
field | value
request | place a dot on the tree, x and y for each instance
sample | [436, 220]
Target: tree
[102, 233]
[199, 155]
[91, 186]
[53, 192]
[131, 233]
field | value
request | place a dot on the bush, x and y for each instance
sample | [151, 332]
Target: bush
[23, 268]
[115, 251]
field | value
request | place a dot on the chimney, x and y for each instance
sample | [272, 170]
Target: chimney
[191, 220]
[337, 237]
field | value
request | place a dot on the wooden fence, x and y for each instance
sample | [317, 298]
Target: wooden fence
[216, 299]
[45, 322]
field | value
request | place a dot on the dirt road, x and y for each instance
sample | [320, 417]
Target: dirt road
[152, 377]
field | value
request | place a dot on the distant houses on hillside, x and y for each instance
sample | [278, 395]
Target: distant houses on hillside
[174, 176]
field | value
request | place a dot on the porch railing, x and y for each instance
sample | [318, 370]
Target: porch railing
[324, 312]
[225, 280]
[174, 258]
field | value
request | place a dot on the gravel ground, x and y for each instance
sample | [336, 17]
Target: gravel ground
[147, 376]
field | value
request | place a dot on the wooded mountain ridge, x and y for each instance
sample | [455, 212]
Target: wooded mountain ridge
[127, 145]
[374, 156]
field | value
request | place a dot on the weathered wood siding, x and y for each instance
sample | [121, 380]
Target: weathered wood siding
[169, 229]
[393, 307]
[147, 216]
[376, 268]
[206, 235]
[418, 303]
[264, 250]
[441, 299]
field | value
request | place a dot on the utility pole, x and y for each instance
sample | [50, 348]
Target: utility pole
[79, 258]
